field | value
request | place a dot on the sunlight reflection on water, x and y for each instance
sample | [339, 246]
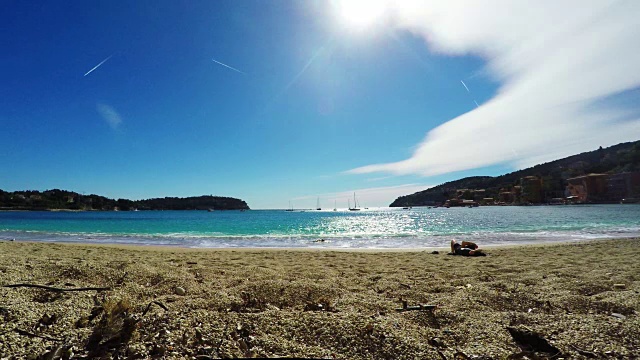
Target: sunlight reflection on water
[379, 228]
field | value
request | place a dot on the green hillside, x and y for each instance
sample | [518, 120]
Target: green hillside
[624, 157]
[68, 200]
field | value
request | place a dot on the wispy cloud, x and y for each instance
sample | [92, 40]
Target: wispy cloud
[379, 178]
[229, 67]
[110, 115]
[97, 66]
[558, 62]
[375, 196]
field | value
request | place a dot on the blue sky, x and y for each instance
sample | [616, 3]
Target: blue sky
[328, 98]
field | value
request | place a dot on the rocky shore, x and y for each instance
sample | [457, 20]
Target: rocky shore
[574, 300]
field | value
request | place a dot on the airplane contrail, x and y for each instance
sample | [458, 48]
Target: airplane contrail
[304, 68]
[313, 57]
[227, 66]
[97, 66]
[476, 103]
[465, 86]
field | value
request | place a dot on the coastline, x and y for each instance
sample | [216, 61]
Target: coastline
[378, 230]
[321, 303]
[313, 246]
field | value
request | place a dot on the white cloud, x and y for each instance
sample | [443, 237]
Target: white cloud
[557, 60]
[110, 115]
[376, 196]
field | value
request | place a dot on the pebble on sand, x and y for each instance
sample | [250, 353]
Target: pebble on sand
[179, 291]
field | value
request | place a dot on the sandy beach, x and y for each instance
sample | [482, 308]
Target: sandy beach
[580, 299]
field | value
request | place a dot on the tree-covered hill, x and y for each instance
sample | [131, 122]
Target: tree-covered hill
[624, 157]
[68, 200]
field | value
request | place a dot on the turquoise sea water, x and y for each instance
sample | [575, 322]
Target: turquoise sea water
[374, 228]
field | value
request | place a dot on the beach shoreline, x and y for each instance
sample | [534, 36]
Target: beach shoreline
[313, 245]
[315, 302]
[405, 230]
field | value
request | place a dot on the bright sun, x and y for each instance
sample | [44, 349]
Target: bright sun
[360, 14]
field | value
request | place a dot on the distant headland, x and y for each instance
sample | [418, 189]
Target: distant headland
[67, 200]
[606, 175]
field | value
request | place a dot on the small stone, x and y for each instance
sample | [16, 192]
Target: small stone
[619, 316]
[179, 291]
[435, 252]
[619, 286]
[435, 341]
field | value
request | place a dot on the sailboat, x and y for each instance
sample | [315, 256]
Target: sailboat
[290, 207]
[318, 204]
[355, 204]
[334, 206]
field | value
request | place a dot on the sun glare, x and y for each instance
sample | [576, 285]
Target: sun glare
[360, 14]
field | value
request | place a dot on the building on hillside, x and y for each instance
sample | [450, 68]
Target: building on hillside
[466, 194]
[453, 202]
[575, 192]
[506, 197]
[531, 189]
[623, 185]
[472, 203]
[552, 195]
[510, 195]
[588, 188]
[517, 190]
[557, 201]
[487, 201]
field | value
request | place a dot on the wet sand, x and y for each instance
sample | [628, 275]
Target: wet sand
[582, 298]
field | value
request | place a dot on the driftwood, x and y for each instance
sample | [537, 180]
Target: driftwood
[416, 307]
[30, 334]
[55, 289]
[163, 306]
[585, 353]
